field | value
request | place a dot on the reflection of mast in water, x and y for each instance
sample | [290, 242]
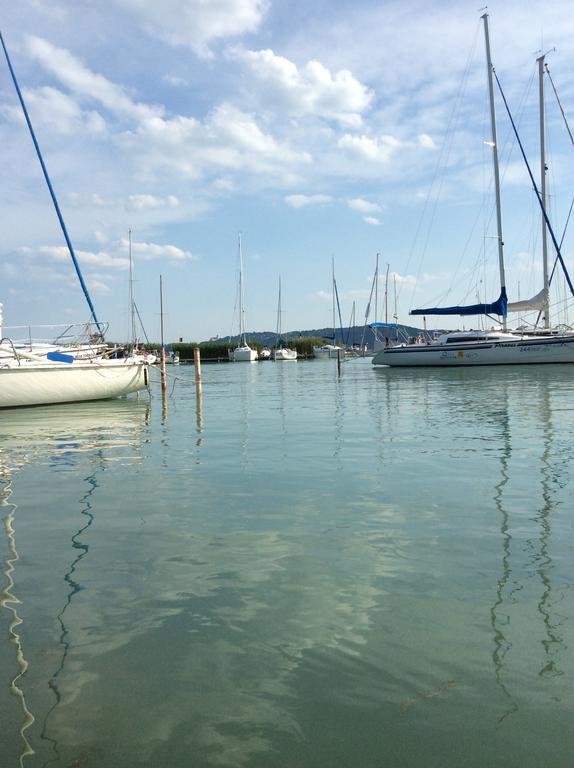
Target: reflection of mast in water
[501, 643]
[553, 640]
[74, 588]
[8, 601]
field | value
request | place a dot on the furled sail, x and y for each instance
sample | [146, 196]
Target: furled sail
[536, 302]
[498, 307]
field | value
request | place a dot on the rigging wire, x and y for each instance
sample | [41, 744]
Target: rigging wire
[442, 161]
[546, 219]
[559, 104]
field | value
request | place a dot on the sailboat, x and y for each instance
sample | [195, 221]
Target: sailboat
[326, 351]
[42, 373]
[498, 346]
[280, 352]
[243, 352]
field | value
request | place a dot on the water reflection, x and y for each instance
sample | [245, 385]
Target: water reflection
[500, 621]
[499, 435]
[59, 437]
[74, 587]
[353, 550]
[9, 602]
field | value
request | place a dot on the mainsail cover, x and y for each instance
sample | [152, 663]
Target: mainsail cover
[498, 307]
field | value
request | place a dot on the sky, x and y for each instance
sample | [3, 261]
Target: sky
[318, 130]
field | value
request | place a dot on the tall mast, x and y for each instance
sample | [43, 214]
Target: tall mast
[241, 301]
[546, 308]
[376, 287]
[131, 294]
[333, 273]
[279, 314]
[387, 295]
[495, 162]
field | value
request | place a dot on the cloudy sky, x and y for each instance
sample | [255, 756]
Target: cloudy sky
[317, 129]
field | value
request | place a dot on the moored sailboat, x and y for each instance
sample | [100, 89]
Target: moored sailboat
[327, 351]
[41, 373]
[280, 352]
[499, 345]
[243, 352]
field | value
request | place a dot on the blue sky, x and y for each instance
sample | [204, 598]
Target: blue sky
[317, 129]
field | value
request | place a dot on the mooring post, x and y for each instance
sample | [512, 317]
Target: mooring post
[339, 361]
[197, 364]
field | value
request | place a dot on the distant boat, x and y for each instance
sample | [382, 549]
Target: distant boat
[42, 373]
[280, 352]
[499, 345]
[325, 351]
[171, 357]
[243, 352]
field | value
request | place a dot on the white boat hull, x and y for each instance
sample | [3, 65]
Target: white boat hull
[532, 351]
[244, 355]
[37, 384]
[326, 352]
[285, 354]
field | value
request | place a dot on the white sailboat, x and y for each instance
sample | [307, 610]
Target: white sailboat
[327, 351]
[280, 352]
[243, 352]
[499, 345]
[42, 373]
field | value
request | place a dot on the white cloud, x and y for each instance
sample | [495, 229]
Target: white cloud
[97, 286]
[228, 139]
[371, 220]
[426, 141]
[378, 150]
[174, 81]
[300, 201]
[147, 202]
[60, 253]
[310, 90]
[60, 112]
[149, 251]
[72, 73]
[197, 23]
[364, 206]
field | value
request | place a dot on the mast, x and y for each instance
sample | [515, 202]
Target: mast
[279, 314]
[546, 307]
[131, 294]
[376, 287]
[387, 295]
[333, 273]
[50, 188]
[495, 162]
[242, 339]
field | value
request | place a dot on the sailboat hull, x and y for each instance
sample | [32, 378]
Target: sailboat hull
[532, 351]
[244, 355]
[284, 354]
[37, 384]
[326, 352]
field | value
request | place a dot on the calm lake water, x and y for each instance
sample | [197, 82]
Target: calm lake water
[375, 570]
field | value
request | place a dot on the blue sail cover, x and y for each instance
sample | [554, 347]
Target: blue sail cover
[498, 307]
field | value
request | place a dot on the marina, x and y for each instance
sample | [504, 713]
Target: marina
[342, 569]
[359, 560]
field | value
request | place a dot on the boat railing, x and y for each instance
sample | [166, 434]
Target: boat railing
[73, 334]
